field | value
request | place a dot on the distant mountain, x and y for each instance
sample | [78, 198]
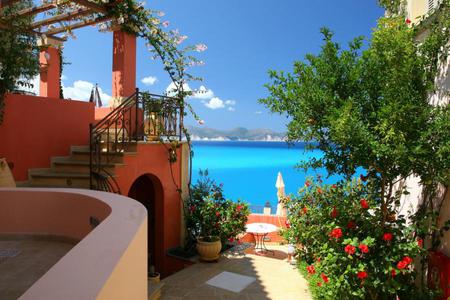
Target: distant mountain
[235, 134]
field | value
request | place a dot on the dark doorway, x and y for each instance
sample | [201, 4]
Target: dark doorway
[147, 190]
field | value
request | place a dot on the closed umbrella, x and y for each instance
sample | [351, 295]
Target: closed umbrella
[281, 210]
[95, 96]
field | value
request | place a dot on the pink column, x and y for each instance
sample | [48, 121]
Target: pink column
[124, 64]
[50, 64]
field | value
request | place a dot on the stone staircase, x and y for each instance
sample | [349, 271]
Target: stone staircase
[73, 171]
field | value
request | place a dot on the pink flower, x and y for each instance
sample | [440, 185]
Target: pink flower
[166, 24]
[200, 47]
[231, 239]
[181, 39]
[201, 122]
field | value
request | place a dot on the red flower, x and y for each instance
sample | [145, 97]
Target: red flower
[401, 265]
[231, 239]
[334, 213]
[238, 208]
[217, 214]
[420, 243]
[362, 275]
[305, 210]
[324, 278]
[364, 203]
[311, 270]
[319, 283]
[407, 260]
[307, 183]
[364, 248]
[351, 225]
[336, 233]
[408, 21]
[287, 223]
[334, 186]
[350, 249]
[318, 260]
[393, 273]
[319, 190]
[387, 236]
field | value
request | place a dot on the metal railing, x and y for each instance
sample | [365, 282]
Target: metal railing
[140, 117]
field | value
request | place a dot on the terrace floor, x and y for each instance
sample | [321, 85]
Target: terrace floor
[24, 261]
[274, 277]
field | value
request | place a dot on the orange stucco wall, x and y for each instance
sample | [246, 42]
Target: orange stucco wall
[152, 158]
[50, 63]
[36, 128]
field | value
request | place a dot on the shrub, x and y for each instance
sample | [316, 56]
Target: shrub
[208, 214]
[351, 252]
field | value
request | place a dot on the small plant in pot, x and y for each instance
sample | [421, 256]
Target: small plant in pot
[211, 220]
[153, 276]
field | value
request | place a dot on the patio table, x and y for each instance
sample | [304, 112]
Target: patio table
[260, 231]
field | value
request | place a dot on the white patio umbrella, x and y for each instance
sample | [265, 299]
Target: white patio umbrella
[281, 210]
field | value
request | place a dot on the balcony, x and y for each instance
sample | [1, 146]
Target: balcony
[71, 244]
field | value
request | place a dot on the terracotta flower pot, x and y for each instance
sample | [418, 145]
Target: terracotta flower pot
[209, 251]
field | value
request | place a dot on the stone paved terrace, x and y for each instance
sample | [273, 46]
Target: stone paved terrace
[275, 278]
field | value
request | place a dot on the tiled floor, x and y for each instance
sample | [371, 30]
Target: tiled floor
[275, 279]
[18, 273]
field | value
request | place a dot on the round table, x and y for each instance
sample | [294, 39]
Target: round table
[260, 231]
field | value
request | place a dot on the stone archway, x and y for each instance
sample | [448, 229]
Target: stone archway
[147, 189]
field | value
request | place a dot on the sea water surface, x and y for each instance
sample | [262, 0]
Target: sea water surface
[248, 169]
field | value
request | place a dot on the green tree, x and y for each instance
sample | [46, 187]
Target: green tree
[19, 60]
[368, 108]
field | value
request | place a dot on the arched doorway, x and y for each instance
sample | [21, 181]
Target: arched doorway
[147, 189]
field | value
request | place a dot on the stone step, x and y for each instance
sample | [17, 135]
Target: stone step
[48, 178]
[67, 165]
[82, 153]
[154, 290]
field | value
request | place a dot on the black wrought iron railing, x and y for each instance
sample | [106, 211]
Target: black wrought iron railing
[140, 117]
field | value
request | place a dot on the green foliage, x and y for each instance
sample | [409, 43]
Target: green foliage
[364, 108]
[362, 245]
[19, 60]
[208, 214]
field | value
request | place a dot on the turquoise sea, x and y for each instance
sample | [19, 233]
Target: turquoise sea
[248, 170]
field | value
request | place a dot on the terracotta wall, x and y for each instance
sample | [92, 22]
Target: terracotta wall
[152, 158]
[270, 219]
[36, 128]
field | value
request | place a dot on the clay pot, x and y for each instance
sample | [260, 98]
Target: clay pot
[209, 251]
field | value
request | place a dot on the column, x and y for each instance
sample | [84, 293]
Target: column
[50, 68]
[124, 64]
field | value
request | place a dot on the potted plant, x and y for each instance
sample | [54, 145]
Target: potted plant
[153, 276]
[212, 220]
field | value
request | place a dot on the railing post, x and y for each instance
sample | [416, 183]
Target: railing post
[137, 114]
[91, 186]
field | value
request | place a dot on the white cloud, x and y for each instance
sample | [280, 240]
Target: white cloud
[230, 102]
[231, 108]
[81, 90]
[215, 103]
[149, 80]
[203, 93]
[64, 77]
[258, 112]
[171, 90]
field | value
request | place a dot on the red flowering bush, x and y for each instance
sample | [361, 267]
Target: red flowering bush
[208, 214]
[353, 253]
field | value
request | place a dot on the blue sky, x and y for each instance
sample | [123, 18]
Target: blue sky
[244, 39]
